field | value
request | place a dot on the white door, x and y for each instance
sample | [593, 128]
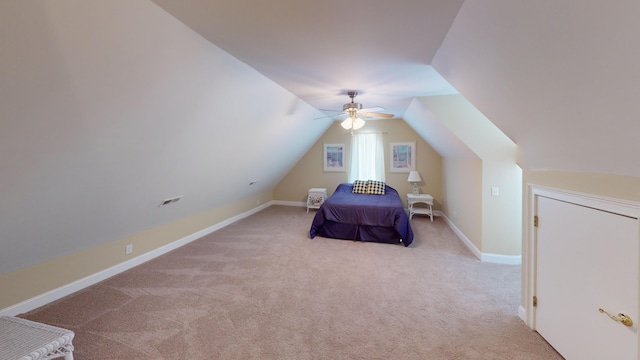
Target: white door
[587, 259]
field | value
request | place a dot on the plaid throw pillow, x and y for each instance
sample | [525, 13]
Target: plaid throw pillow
[375, 187]
[360, 187]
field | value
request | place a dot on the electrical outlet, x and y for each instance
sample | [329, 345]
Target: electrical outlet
[129, 249]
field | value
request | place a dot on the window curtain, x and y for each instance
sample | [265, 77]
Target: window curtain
[367, 157]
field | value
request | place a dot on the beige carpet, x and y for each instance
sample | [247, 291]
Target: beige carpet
[261, 289]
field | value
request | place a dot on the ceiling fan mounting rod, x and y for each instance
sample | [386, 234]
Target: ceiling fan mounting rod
[352, 107]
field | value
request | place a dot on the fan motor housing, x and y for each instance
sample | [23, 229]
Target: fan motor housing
[351, 106]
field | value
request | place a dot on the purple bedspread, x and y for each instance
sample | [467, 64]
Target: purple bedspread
[382, 214]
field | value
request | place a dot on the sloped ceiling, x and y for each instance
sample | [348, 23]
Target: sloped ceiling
[560, 78]
[435, 132]
[320, 49]
[109, 107]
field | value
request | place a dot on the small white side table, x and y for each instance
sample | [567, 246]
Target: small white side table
[28, 340]
[316, 197]
[413, 199]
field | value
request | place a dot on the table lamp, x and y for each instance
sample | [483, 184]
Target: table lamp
[414, 177]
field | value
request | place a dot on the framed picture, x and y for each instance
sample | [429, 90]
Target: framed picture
[333, 155]
[402, 156]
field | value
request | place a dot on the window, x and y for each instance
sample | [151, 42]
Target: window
[367, 157]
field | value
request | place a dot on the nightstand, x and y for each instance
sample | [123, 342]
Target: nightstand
[426, 199]
[316, 197]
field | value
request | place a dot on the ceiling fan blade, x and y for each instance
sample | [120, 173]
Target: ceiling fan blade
[329, 110]
[372, 109]
[330, 116]
[373, 114]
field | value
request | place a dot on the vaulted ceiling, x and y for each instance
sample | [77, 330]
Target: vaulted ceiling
[559, 78]
[318, 50]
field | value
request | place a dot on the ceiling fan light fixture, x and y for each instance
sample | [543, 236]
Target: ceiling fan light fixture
[353, 109]
[347, 123]
[358, 123]
[352, 123]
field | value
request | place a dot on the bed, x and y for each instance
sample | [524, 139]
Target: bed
[363, 216]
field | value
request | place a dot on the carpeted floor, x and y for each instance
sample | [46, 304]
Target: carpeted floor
[261, 289]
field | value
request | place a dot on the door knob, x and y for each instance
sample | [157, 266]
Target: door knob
[621, 318]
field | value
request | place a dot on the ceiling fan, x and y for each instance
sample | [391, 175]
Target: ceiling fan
[355, 113]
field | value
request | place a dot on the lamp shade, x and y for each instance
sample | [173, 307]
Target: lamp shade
[358, 123]
[352, 123]
[347, 123]
[414, 176]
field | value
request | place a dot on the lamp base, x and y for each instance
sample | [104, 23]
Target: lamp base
[416, 190]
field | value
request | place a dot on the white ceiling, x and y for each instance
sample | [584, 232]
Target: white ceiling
[318, 50]
[560, 79]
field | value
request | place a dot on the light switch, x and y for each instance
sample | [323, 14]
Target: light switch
[495, 191]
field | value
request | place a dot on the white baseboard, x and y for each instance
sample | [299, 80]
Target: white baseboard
[522, 313]
[465, 240]
[55, 294]
[484, 257]
[501, 259]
